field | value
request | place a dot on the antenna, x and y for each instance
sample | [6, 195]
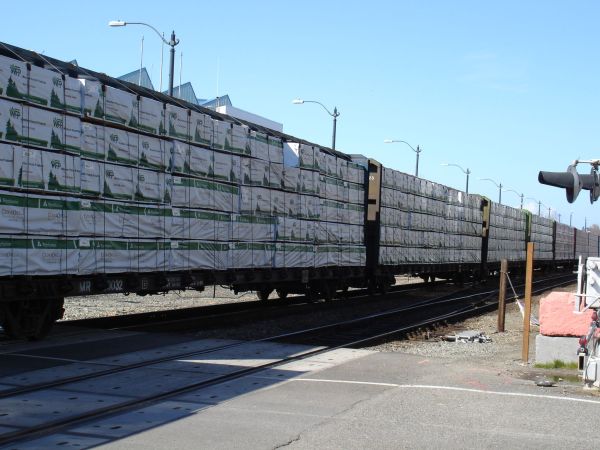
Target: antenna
[180, 70]
[141, 62]
[162, 54]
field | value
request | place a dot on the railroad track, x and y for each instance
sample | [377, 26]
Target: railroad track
[350, 333]
[216, 315]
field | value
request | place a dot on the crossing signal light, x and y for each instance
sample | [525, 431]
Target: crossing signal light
[573, 182]
[568, 180]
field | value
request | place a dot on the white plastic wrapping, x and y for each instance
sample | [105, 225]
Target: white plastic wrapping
[122, 255]
[246, 255]
[220, 130]
[104, 218]
[197, 224]
[120, 106]
[251, 228]
[151, 116]
[38, 255]
[40, 215]
[275, 150]
[11, 121]
[43, 170]
[51, 129]
[195, 255]
[177, 122]
[254, 172]
[202, 128]
[197, 193]
[238, 139]
[259, 145]
[92, 141]
[294, 255]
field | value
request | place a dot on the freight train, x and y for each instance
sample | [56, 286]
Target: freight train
[108, 187]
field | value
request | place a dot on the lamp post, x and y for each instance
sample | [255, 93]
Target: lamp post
[535, 201]
[467, 172]
[335, 114]
[173, 42]
[417, 150]
[520, 195]
[571, 219]
[498, 185]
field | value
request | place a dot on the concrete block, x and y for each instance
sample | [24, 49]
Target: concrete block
[549, 348]
[558, 319]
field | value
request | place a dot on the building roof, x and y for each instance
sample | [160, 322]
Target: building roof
[139, 77]
[185, 92]
[217, 102]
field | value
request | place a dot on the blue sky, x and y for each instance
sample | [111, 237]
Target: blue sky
[505, 89]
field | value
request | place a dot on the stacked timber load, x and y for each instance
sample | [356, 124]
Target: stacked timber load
[426, 222]
[565, 241]
[98, 179]
[541, 234]
[594, 244]
[507, 234]
[582, 242]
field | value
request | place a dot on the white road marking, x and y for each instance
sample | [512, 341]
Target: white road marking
[450, 388]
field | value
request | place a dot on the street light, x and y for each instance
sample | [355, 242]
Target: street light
[570, 219]
[335, 114]
[520, 195]
[418, 151]
[499, 186]
[173, 42]
[535, 201]
[466, 172]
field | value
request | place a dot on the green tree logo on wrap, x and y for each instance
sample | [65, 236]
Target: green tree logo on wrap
[15, 113]
[57, 82]
[114, 137]
[145, 145]
[58, 122]
[55, 163]
[109, 173]
[15, 70]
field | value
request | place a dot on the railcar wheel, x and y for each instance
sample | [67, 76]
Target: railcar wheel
[282, 293]
[30, 319]
[263, 294]
[327, 291]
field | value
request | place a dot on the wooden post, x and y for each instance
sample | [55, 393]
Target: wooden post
[527, 315]
[502, 295]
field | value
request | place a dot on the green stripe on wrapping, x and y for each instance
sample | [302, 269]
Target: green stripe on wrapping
[203, 215]
[215, 186]
[260, 138]
[91, 155]
[354, 249]
[143, 245]
[254, 246]
[33, 141]
[108, 245]
[6, 181]
[115, 119]
[335, 181]
[275, 142]
[327, 249]
[213, 246]
[39, 244]
[256, 219]
[295, 248]
[334, 204]
[356, 186]
[34, 99]
[354, 207]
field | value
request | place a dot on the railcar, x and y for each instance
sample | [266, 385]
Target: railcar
[108, 187]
